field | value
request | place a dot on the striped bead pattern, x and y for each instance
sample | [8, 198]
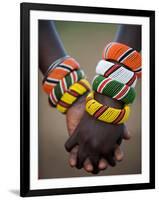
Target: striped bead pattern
[63, 85]
[57, 72]
[116, 72]
[75, 91]
[113, 89]
[105, 113]
[122, 53]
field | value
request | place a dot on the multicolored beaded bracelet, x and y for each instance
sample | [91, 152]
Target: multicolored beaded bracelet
[63, 85]
[105, 113]
[57, 71]
[75, 91]
[124, 54]
[113, 89]
[116, 72]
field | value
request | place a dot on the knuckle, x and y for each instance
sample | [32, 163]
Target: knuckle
[94, 144]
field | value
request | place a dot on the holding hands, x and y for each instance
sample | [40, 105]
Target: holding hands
[93, 144]
[95, 123]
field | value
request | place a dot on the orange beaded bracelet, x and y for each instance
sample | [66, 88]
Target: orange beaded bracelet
[57, 72]
[123, 54]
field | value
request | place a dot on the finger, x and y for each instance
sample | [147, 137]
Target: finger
[71, 142]
[111, 160]
[87, 165]
[126, 134]
[81, 157]
[73, 156]
[102, 164]
[119, 155]
[95, 162]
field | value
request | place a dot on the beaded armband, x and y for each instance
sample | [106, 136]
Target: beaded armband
[113, 89]
[105, 113]
[124, 54]
[63, 85]
[57, 71]
[116, 72]
[73, 93]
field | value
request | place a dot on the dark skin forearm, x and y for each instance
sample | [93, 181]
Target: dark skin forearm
[50, 45]
[129, 35]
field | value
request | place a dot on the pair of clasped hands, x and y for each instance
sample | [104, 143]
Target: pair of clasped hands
[93, 144]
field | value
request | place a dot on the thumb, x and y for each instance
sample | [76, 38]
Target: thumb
[74, 114]
[71, 142]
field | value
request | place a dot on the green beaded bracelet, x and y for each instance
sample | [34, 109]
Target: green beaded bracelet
[63, 86]
[113, 89]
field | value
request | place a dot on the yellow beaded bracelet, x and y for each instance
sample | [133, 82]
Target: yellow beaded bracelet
[75, 91]
[105, 113]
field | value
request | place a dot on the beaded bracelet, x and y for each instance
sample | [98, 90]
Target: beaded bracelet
[63, 85]
[122, 53]
[116, 72]
[113, 89]
[105, 113]
[57, 71]
[75, 91]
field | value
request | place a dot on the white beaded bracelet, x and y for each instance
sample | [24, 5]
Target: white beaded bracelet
[116, 72]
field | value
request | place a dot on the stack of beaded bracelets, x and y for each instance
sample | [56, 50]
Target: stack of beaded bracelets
[57, 71]
[64, 83]
[116, 77]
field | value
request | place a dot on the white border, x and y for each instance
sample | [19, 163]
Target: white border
[96, 180]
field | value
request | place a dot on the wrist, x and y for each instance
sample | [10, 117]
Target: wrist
[101, 98]
[106, 100]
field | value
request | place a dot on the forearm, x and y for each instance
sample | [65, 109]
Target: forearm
[129, 35]
[50, 45]
[51, 49]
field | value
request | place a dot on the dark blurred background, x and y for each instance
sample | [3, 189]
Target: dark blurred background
[85, 42]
